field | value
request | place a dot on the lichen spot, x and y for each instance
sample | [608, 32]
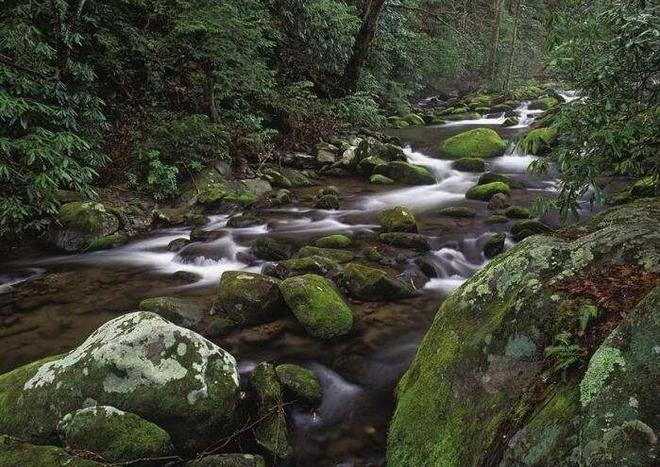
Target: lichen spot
[181, 349]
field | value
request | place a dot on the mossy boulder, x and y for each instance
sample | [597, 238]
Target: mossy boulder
[270, 249]
[109, 241]
[300, 382]
[367, 283]
[214, 193]
[317, 305]
[113, 434]
[538, 141]
[333, 241]
[414, 119]
[229, 460]
[481, 375]
[494, 245]
[371, 165]
[496, 219]
[545, 103]
[181, 311]
[242, 221]
[485, 192]
[526, 228]
[139, 363]
[327, 202]
[469, 164]
[398, 219]
[378, 179]
[15, 453]
[335, 254]
[79, 224]
[517, 212]
[409, 174]
[458, 211]
[298, 266]
[499, 201]
[277, 178]
[249, 298]
[391, 152]
[408, 240]
[462, 116]
[490, 177]
[297, 178]
[397, 122]
[480, 142]
[644, 188]
[270, 431]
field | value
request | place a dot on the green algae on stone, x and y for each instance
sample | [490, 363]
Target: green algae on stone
[486, 192]
[398, 219]
[378, 179]
[335, 254]
[139, 363]
[480, 142]
[539, 140]
[115, 435]
[249, 298]
[367, 283]
[469, 164]
[410, 174]
[409, 240]
[458, 211]
[298, 266]
[317, 305]
[333, 241]
[15, 453]
[300, 381]
[271, 430]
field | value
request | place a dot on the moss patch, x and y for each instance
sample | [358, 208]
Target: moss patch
[480, 142]
[486, 192]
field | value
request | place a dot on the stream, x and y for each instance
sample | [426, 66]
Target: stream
[51, 303]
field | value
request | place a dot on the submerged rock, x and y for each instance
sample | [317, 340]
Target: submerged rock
[517, 212]
[367, 283]
[244, 220]
[499, 201]
[249, 298]
[319, 308]
[79, 224]
[300, 381]
[398, 219]
[480, 142]
[328, 202]
[115, 435]
[138, 363]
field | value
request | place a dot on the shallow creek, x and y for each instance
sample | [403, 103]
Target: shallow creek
[55, 302]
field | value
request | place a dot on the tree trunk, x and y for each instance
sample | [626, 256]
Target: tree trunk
[363, 41]
[513, 43]
[494, 39]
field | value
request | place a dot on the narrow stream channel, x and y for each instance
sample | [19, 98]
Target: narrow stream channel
[55, 302]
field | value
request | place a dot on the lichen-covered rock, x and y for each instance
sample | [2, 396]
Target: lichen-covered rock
[486, 192]
[333, 241]
[335, 254]
[412, 241]
[301, 382]
[80, 223]
[319, 265]
[249, 298]
[14, 453]
[138, 363]
[458, 211]
[317, 305]
[378, 179]
[479, 391]
[229, 460]
[269, 249]
[525, 228]
[182, 311]
[469, 164]
[270, 431]
[539, 140]
[367, 283]
[398, 219]
[408, 173]
[480, 142]
[494, 245]
[113, 434]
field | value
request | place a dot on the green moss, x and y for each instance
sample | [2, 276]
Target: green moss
[494, 245]
[511, 121]
[486, 192]
[408, 173]
[338, 255]
[545, 103]
[539, 140]
[249, 298]
[302, 382]
[490, 177]
[271, 430]
[397, 122]
[212, 193]
[378, 179]
[398, 219]
[469, 164]
[412, 241]
[517, 212]
[496, 219]
[298, 266]
[367, 283]
[319, 308]
[602, 364]
[370, 165]
[458, 211]
[462, 116]
[14, 453]
[414, 119]
[87, 217]
[109, 241]
[480, 142]
[525, 228]
[333, 241]
[114, 435]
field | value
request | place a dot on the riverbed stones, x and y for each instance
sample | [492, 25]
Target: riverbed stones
[398, 219]
[333, 241]
[511, 121]
[408, 240]
[326, 153]
[243, 221]
[249, 298]
[139, 363]
[371, 284]
[496, 219]
[301, 382]
[409, 174]
[181, 311]
[113, 434]
[469, 164]
[480, 142]
[79, 223]
[494, 245]
[486, 192]
[544, 103]
[317, 306]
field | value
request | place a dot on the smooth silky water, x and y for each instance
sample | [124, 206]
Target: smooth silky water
[51, 303]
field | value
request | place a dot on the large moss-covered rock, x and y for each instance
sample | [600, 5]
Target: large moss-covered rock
[486, 192]
[371, 165]
[398, 219]
[216, 193]
[182, 311]
[408, 173]
[333, 241]
[494, 245]
[137, 362]
[229, 460]
[113, 434]
[79, 224]
[298, 266]
[539, 140]
[270, 431]
[480, 379]
[317, 305]
[414, 119]
[15, 453]
[335, 254]
[367, 283]
[545, 103]
[480, 142]
[300, 382]
[249, 298]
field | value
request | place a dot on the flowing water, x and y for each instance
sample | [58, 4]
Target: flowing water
[49, 304]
